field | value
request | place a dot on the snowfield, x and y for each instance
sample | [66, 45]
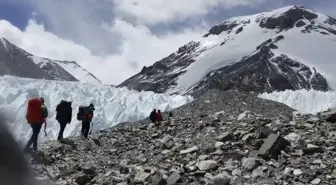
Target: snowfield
[113, 105]
[304, 101]
[73, 68]
[315, 50]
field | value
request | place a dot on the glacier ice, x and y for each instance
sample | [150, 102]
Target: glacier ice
[113, 105]
[304, 101]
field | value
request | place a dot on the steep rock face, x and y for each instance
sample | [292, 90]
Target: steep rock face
[263, 72]
[163, 74]
[288, 19]
[263, 52]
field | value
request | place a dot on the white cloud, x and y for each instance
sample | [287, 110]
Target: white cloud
[139, 46]
[103, 36]
[158, 11]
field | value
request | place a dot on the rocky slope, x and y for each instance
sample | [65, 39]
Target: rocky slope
[276, 50]
[219, 146]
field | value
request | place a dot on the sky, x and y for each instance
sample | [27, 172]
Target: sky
[114, 39]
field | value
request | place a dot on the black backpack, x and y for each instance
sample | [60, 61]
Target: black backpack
[82, 110]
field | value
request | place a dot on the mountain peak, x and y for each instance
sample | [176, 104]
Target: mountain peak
[15, 58]
[281, 18]
[287, 48]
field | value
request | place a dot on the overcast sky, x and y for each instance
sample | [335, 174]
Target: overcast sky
[114, 39]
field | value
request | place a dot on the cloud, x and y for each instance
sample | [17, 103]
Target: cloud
[158, 11]
[139, 46]
[112, 39]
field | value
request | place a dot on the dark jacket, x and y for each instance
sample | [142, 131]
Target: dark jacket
[64, 112]
[152, 116]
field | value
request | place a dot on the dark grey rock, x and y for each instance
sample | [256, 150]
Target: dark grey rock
[226, 136]
[251, 163]
[264, 132]
[221, 179]
[273, 146]
[83, 179]
[173, 178]
[157, 180]
[124, 170]
[89, 171]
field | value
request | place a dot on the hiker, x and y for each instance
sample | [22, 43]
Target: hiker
[152, 116]
[85, 114]
[159, 116]
[37, 112]
[63, 116]
[44, 114]
[170, 118]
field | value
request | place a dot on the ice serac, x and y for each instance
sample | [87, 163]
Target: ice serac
[290, 48]
[113, 105]
[304, 101]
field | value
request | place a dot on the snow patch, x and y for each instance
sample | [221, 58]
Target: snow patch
[71, 67]
[4, 44]
[113, 105]
[304, 101]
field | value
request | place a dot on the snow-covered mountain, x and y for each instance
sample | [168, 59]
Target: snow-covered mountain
[288, 48]
[18, 62]
[56, 67]
[14, 61]
[113, 105]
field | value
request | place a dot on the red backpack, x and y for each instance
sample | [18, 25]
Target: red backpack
[34, 111]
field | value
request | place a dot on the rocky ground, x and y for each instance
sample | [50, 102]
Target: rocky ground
[209, 141]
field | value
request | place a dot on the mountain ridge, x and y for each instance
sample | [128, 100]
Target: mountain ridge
[44, 68]
[286, 40]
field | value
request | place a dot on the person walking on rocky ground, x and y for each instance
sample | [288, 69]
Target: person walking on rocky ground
[63, 116]
[159, 118]
[152, 116]
[170, 118]
[44, 114]
[87, 118]
[36, 114]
